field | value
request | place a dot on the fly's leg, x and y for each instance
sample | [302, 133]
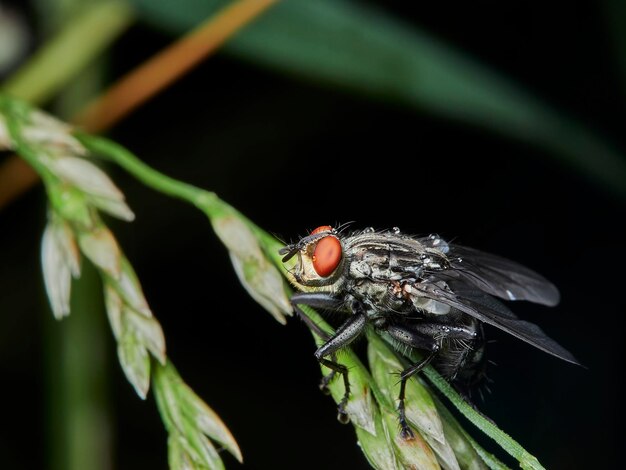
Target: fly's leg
[316, 300]
[319, 300]
[322, 334]
[328, 378]
[405, 430]
[424, 336]
[345, 334]
[416, 339]
[337, 368]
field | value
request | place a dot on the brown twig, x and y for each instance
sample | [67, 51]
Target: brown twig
[143, 83]
[16, 177]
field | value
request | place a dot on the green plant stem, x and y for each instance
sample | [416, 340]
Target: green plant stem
[85, 37]
[492, 461]
[206, 201]
[505, 441]
[79, 429]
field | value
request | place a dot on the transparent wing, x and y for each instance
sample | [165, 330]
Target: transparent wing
[487, 309]
[495, 275]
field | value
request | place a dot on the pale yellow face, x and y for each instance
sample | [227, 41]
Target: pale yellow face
[304, 271]
[320, 261]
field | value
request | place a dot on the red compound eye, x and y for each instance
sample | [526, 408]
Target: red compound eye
[323, 228]
[327, 255]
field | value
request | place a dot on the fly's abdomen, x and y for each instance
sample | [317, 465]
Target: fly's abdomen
[462, 360]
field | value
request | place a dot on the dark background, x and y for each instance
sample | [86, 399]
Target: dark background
[292, 155]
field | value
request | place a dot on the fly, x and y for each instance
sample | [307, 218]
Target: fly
[418, 293]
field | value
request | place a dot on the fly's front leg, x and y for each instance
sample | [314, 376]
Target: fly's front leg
[345, 334]
[318, 300]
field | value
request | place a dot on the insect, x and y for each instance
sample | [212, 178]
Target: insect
[418, 293]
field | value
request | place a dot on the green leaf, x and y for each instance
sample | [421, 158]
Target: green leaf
[349, 44]
[412, 453]
[257, 274]
[190, 422]
[465, 449]
[200, 449]
[60, 262]
[135, 362]
[166, 398]
[71, 205]
[178, 458]
[148, 331]
[206, 419]
[114, 306]
[377, 447]
[100, 246]
[130, 290]
[192, 451]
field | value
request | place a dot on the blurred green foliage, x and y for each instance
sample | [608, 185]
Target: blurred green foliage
[358, 47]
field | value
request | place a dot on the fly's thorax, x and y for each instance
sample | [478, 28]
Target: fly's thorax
[376, 297]
[390, 256]
[383, 268]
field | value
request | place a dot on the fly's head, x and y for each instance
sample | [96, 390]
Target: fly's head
[320, 259]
